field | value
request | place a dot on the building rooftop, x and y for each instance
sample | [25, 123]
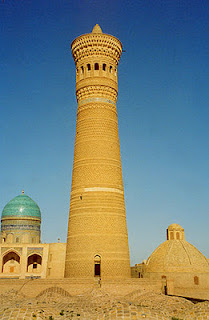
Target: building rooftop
[21, 206]
[177, 255]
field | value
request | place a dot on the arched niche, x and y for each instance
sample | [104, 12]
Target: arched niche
[3, 237]
[10, 238]
[34, 263]
[11, 263]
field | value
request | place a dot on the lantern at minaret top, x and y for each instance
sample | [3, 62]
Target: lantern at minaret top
[97, 242]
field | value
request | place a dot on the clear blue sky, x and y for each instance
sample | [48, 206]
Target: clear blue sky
[162, 111]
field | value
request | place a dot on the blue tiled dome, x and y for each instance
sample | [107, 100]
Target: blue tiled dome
[21, 206]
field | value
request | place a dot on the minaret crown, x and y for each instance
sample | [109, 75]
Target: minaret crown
[96, 29]
[96, 44]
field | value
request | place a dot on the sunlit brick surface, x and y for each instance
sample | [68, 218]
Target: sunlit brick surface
[55, 303]
[97, 219]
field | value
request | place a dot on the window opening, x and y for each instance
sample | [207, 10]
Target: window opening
[104, 66]
[171, 235]
[196, 280]
[96, 66]
[165, 290]
[88, 67]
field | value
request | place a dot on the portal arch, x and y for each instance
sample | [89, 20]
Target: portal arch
[11, 262]
[34, 263]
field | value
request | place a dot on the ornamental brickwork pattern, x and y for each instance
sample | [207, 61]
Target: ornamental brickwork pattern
[97, 219]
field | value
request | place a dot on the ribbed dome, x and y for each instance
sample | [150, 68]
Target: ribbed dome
[21, 206]
[177, 256]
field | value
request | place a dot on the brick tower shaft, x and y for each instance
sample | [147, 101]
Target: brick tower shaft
[97, 243]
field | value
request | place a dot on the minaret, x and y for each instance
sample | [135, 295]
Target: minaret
[97, 242]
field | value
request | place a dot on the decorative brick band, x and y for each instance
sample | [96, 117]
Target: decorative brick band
[101, 189]
[104, 100]
[35, 250]
[104, 88]
[97, 105]
[19, 227]
[93, 44]
[9, 249]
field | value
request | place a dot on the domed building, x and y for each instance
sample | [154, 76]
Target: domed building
[181, 267]
[176, 267]
[176, 255]
[21, 221]
[21, 251]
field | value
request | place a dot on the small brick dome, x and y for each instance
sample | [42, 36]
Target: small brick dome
[176, 255]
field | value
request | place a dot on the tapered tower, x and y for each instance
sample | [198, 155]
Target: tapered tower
[97, 242]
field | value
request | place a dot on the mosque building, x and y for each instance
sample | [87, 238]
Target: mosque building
[22, 253]
[97, 241]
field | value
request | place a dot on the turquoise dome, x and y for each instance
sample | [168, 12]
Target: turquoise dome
[21, 206]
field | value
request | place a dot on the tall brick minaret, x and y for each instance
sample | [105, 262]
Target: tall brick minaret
[97, 242]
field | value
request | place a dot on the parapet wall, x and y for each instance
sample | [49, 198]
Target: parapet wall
[33, 288]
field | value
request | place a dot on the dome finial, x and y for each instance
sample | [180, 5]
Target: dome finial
[96, 29]
[23, 191]
[175, 232]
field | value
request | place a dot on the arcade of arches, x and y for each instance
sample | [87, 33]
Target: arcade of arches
[11, 263]
[20, 261]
